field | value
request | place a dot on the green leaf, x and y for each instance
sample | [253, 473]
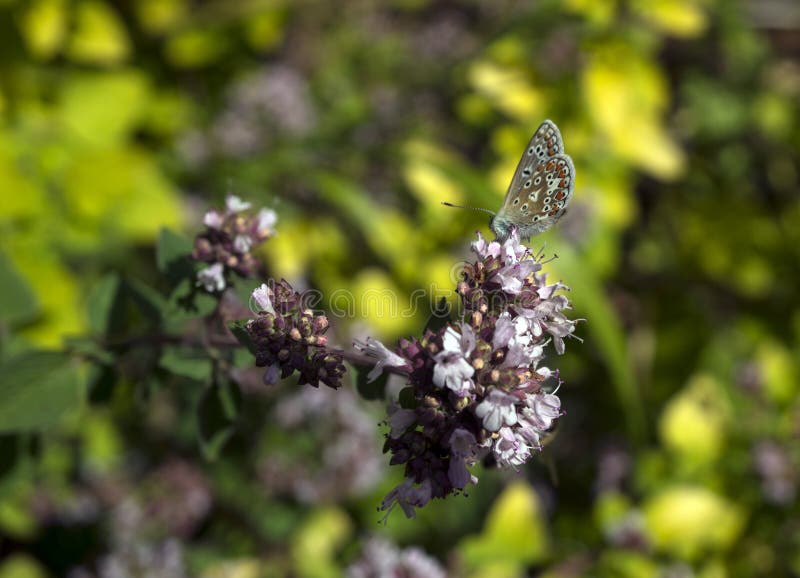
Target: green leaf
[20, 565]
[147, 300]
[102, 299]
[9, 452]
[99, 37]
[514, 536]
[101, 383]
[17, 300]
[184, 364]
[86, 110]
[217, 411]
[440, 316]
[407, 399]
[239, 330]
[88, 348]
[173, 256]
[375, 390]
[36, 389]
[188, 303]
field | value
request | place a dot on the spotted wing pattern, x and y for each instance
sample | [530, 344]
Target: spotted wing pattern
[542, 184]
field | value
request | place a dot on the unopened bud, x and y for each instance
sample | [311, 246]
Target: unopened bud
[430, 401]
[320, 323]
[462, 403]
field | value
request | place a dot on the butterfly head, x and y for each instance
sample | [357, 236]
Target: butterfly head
[501, 227]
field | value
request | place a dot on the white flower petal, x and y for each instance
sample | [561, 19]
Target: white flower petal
[262, 297]
[211, 278]
[234, 204]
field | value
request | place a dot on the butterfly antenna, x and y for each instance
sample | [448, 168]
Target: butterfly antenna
[446, 204]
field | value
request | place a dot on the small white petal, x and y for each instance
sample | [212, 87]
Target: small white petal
[213, 220]
[383, 355]
[242, 243]
[211, 278]
[234, 204]
[267, 218]
[261, 296]
[497, 409]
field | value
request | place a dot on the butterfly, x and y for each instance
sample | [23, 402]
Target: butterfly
[540, 190]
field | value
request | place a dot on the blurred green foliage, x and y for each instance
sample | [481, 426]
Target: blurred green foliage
[678, 454]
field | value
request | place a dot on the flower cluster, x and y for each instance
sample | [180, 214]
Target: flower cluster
[475, 387]
[381, 558]
[350, 463]
[227, 241]
[290, 337]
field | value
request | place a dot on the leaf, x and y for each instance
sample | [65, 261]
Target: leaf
[374, 390]
[195, 48]
[88, 348]
[172, 256]
[440, 316]
[239, 330]
[100, 36]
[117, 194]
[102, 299]
[43, 27]
[101, 384]
[17, 300]
[182, 363]
[19, 565]
[36, 389]
[9, 453]
[217, 411]
[147, 300]
[514, 534]
[406, 398]
[85, 110]
[187, 302]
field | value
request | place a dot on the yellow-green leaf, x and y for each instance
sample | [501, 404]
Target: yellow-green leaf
[100, 36]
[43, 26]
[686, 521]
[514, 536]
[86, 108]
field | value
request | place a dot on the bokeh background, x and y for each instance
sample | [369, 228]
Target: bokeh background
[678, 455]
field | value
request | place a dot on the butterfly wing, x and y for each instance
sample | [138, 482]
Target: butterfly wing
[542, 185]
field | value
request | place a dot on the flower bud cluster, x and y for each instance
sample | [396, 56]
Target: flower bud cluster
[289, 337]
[228, 240]
[475, 387]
